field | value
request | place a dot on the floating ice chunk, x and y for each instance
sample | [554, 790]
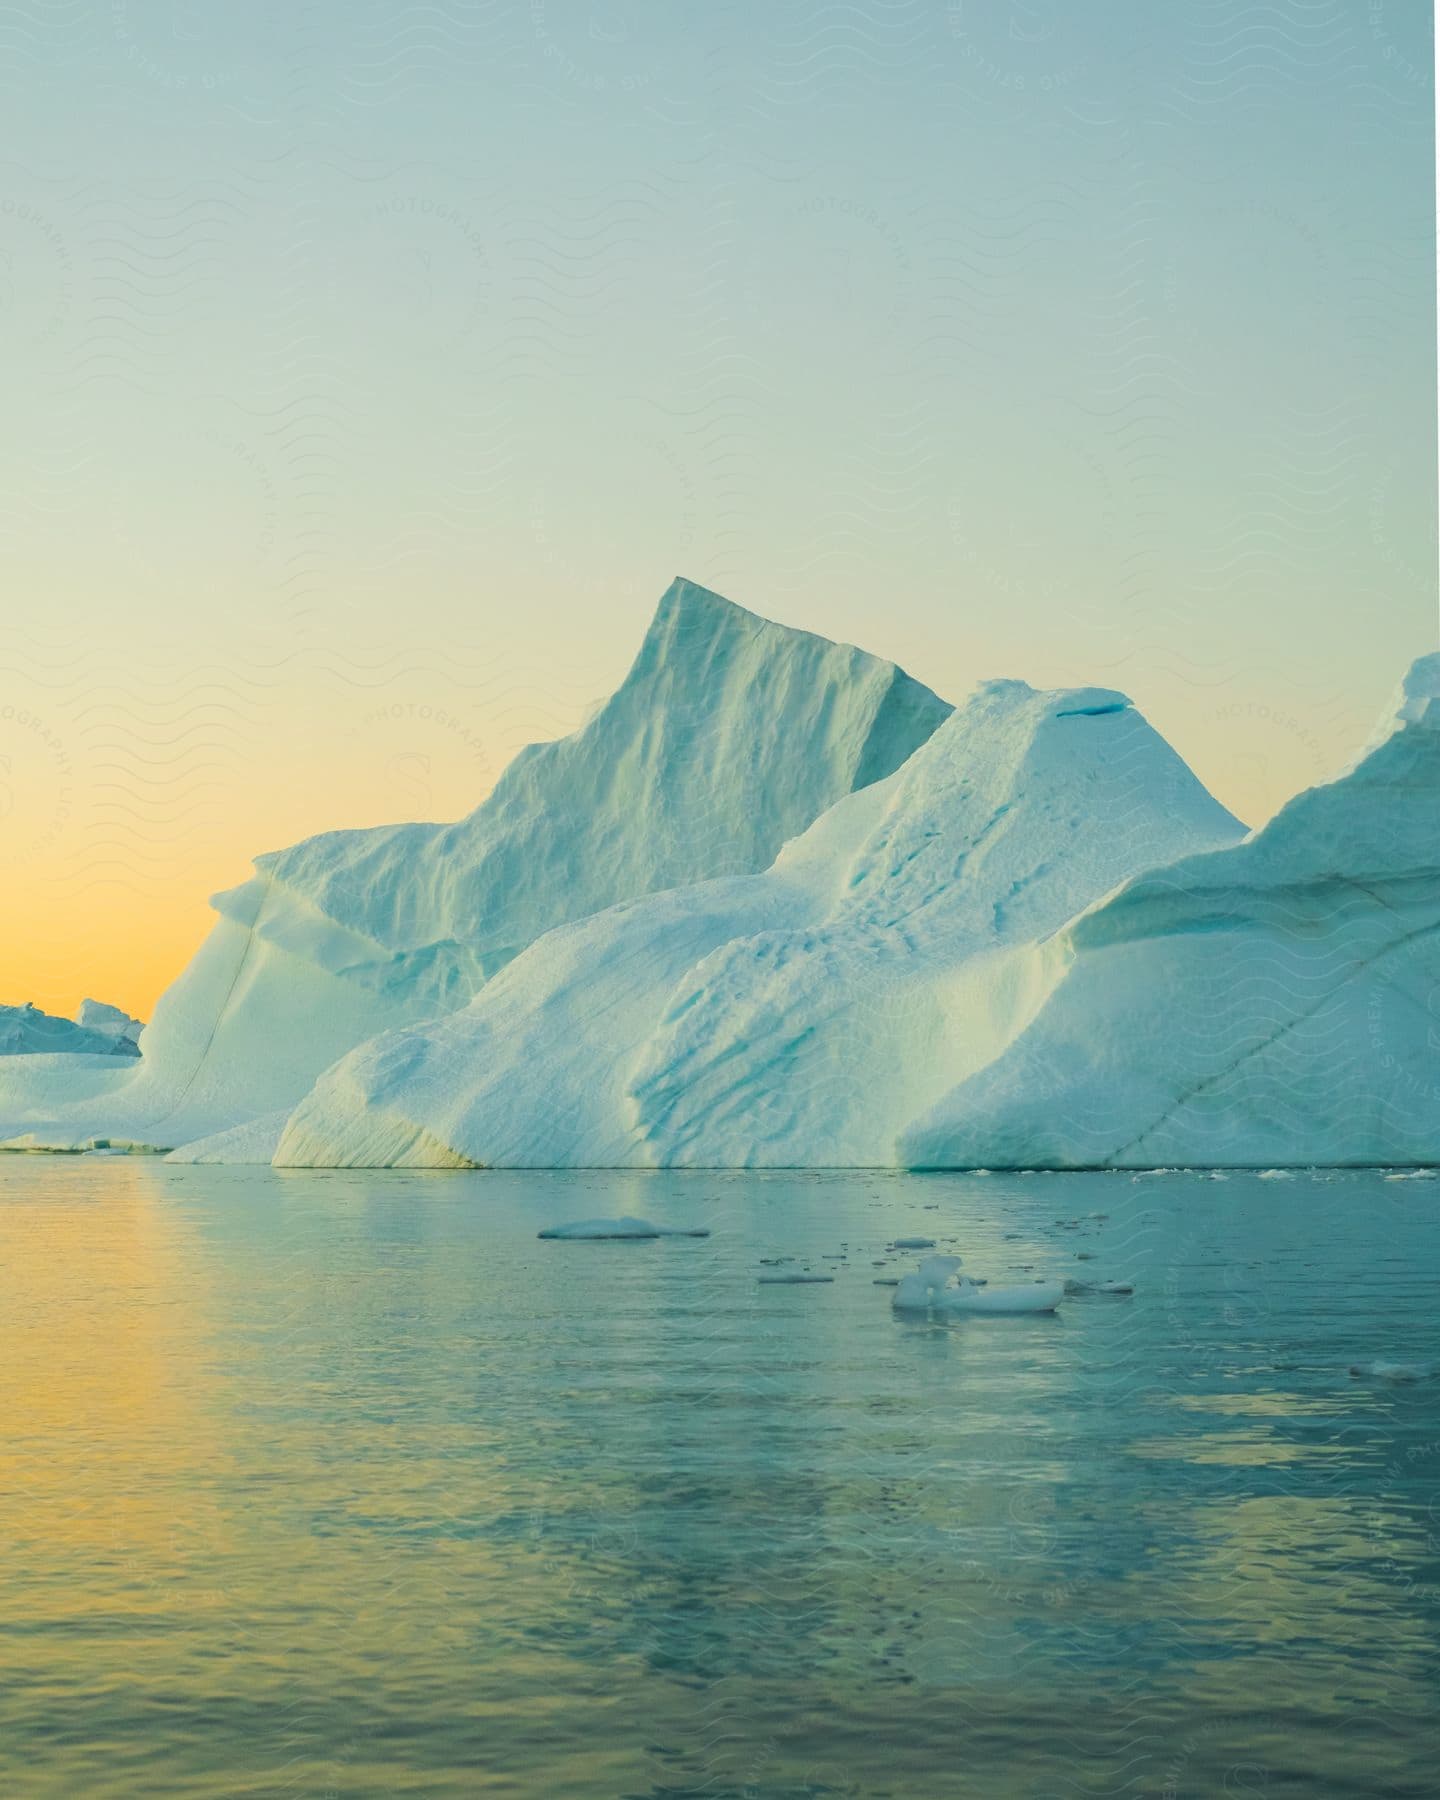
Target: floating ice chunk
[928, 1291]
[1380, 1370]
[1413, 1175]
[45, 1145]
[625, 1227]
[1072, 1286]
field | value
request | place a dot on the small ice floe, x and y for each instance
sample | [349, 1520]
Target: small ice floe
[1379, 1370]
[912, 1243]
[928, 1290]
[626, 1227]
[792, 1280]
[1412, 1174]
[1072, 1286]
[1275, 1174]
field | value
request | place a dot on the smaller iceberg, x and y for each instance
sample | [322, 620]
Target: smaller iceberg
[929, 1290]
[100, 1030]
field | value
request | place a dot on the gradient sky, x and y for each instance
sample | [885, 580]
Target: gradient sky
[371, 368]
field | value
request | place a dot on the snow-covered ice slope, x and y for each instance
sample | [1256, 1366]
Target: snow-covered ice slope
[1276, 1002]
[728, 736]
[799, 1017]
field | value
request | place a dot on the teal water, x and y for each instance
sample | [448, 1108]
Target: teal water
[340, 1483]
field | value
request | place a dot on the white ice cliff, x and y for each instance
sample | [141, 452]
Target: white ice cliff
[728, 736]
[803, 1016]
[1276, 1002]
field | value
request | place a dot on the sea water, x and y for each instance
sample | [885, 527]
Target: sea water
[342, 1483]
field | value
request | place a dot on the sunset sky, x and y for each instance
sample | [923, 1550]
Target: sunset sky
[372, 368]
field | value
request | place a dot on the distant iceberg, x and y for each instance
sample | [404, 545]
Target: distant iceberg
[99, 1030]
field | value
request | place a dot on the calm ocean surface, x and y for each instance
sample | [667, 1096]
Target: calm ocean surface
[340, 1483]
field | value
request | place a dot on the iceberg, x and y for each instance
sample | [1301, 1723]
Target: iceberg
[803, 1016]
[778, 905]
[99, 1030]
[1271, 1004]
[728, 735]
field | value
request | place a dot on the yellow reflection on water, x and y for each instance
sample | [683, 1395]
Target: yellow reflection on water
[99, 1370]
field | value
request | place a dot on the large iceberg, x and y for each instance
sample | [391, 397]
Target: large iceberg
[778, 905]
[1274, 1002]
[729, 735]
[803, 1016]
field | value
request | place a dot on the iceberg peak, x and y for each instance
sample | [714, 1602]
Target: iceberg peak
[689, 598]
